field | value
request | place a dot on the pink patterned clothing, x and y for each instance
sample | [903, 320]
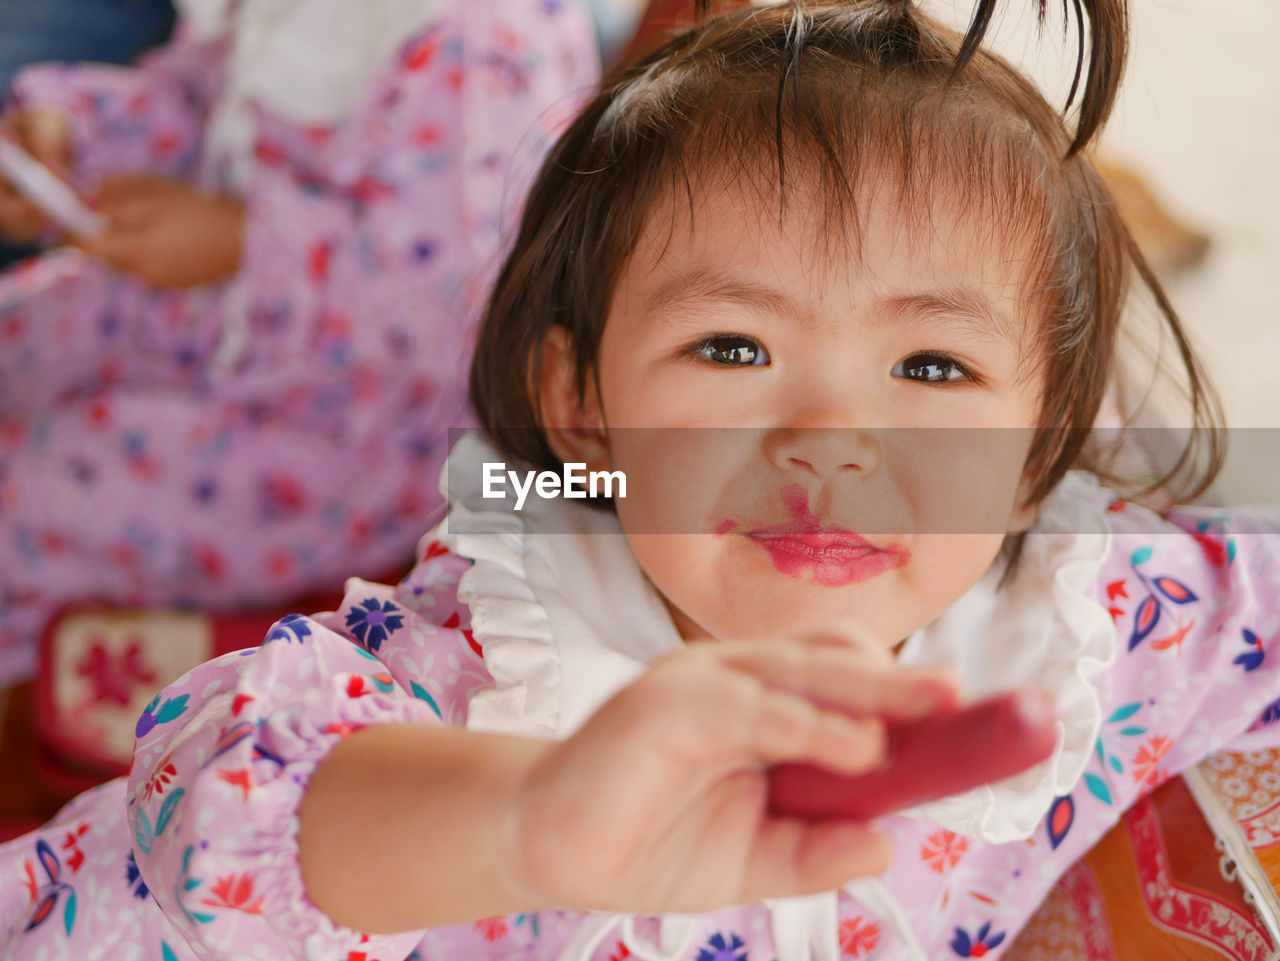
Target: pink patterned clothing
[242, 443]
[1170, 626]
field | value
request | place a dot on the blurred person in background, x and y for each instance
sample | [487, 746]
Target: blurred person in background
[104, 31]
[241, 389]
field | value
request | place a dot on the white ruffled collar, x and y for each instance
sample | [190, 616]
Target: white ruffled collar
[566, 618]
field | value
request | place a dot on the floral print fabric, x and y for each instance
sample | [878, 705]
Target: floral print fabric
[195, 855]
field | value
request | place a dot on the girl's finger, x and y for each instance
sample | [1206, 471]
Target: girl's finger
[790, 728]
[792, 857]
[718, 720]
[844, 678]
[875, 653]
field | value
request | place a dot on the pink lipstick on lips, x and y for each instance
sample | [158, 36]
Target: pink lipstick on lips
[834, 556]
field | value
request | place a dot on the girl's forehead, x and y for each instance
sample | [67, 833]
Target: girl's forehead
[731, 239]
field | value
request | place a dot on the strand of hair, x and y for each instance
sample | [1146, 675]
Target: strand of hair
[1075, 76]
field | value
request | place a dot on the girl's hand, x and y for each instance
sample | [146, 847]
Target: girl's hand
[46, 135]
[659, 803]
[167, 232]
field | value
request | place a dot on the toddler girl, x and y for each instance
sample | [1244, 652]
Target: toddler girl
[874, 252]
[232, 396]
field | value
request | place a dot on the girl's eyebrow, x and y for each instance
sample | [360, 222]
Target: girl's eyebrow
[965, 306]
[957, 305]
[708, 283]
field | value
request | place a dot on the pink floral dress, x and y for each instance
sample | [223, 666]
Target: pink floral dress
[1156, 636]
[243, 443]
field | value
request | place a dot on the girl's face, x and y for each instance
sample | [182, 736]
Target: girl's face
[811, 442]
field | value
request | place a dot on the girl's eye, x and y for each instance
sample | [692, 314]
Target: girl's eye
[732, 350]
[932, 368]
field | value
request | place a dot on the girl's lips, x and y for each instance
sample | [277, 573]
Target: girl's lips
[832, 556]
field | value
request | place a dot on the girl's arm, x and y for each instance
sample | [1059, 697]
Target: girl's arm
[432, 856]
[129, 119]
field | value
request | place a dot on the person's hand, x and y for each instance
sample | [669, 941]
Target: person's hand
[166, 232]
[46, 135]
[659, 803]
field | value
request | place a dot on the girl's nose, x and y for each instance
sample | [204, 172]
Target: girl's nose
[823, 451]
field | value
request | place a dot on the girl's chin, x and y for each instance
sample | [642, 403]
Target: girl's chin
[780, 614]
[739, 593]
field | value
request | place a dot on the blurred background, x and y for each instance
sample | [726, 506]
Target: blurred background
[109, 31]
[1197, 122]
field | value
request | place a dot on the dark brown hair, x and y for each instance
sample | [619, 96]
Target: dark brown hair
[843, 93]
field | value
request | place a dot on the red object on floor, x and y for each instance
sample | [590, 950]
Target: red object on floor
[100, 665]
